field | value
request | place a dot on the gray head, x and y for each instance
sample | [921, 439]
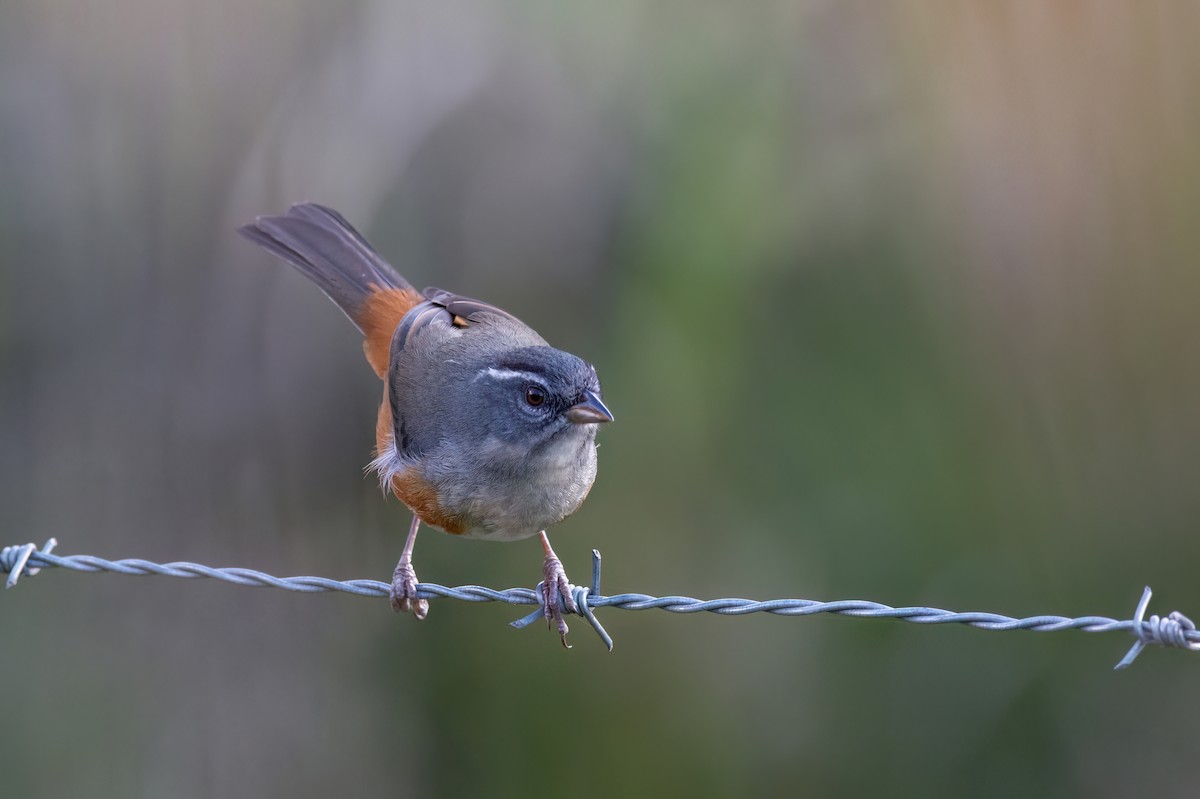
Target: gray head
[535, 396]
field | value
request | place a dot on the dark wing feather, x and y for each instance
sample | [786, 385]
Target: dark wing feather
[464, 307]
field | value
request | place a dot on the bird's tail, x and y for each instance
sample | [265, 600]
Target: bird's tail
[326, 249]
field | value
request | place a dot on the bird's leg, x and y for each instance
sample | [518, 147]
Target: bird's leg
[404, 579]
[555, 584]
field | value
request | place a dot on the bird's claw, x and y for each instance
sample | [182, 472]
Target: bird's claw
[555, 585]
[404, 591]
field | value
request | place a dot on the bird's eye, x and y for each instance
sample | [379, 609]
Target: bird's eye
[535, 395]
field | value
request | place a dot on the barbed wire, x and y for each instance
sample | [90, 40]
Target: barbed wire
[1174, 630]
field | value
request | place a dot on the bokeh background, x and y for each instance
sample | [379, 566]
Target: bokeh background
[891, 301]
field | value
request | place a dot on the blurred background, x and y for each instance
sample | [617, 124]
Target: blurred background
[891, 301]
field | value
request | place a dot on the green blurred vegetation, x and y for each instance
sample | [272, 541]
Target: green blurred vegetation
[891, 301]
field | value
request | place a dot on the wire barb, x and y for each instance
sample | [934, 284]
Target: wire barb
[15, 560]
[581, 596]
[1175, 630]
[1171, 631]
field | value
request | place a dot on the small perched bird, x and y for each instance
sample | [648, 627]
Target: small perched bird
[485, 430]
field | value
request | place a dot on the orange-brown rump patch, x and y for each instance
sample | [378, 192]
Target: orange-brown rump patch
[378, 317]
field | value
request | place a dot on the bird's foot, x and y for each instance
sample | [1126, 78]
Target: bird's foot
[404, 591]
[555, 585]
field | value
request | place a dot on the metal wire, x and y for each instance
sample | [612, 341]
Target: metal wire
[1175, 630]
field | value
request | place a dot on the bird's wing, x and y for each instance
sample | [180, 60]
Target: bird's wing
[464, 310]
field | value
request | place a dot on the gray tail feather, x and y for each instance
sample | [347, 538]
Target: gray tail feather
[326, 249]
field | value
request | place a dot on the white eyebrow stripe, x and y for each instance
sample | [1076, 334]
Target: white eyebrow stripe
[508, 374]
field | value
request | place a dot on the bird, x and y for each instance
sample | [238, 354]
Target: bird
[484, 430]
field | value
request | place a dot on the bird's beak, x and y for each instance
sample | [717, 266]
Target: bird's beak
[590, 411]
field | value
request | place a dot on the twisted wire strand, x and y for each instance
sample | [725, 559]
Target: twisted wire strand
[1174, 630]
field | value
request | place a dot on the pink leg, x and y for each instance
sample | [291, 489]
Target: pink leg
[554, 584]
[404, 579]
